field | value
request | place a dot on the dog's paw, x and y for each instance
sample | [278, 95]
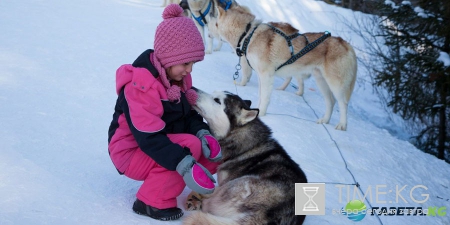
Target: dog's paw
[193, 201]
[299, 93]
[208, 51]
[242, 83]
[322, 120]
[341, 126]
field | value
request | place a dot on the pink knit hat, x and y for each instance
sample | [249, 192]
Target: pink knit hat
[177, 41]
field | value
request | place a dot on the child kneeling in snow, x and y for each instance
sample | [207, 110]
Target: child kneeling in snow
[155, 135]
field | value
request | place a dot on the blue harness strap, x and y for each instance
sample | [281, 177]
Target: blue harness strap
[227, 4]
[201, 19]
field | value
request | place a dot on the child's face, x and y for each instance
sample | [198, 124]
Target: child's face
[177, 72]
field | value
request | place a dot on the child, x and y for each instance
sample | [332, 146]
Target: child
[155, 136]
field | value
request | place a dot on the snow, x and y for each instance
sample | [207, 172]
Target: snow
[57, 93]
[406, 3]
[444, 58]
[388, 2]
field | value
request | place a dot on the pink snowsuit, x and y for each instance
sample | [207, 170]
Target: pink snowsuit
[148, 134]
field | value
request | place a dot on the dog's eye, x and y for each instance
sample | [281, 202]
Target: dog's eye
[217, 100]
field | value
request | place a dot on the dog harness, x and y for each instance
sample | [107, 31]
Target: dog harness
[306, 49]
[201, 19]
[243, 51]
[226, 3]
[309, 46]
[240, 52]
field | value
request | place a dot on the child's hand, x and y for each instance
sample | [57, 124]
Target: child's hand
[196, 177]
[210, 147]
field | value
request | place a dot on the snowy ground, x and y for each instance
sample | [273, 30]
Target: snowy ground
[57, 92]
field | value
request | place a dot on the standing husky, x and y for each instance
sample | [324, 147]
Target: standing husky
[266, 48]
[256, 178]
[204, 14]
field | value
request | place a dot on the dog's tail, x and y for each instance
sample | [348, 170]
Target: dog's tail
[201, 218]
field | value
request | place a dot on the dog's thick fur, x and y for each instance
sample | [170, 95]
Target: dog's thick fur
[333, 62]
[256, 177]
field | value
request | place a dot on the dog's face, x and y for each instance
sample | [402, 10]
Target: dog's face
[196, 5]
[224, 111]
[227, 22]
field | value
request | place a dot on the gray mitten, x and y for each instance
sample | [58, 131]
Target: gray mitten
[210, 146]
[196, 177]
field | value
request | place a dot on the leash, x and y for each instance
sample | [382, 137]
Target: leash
[239, 53]
[243, 51]
[355, 182]
[236, 74]
[343, 159]
[201, 19]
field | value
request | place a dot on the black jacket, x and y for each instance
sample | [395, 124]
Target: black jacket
[178, 117]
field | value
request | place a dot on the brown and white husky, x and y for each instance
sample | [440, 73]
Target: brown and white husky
[332, 62]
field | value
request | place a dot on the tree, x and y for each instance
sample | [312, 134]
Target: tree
[414, 70]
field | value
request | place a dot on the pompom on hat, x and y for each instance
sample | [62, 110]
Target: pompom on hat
[177, 41]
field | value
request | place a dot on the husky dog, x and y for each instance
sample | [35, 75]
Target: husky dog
[213, 33]
[256, 177]
[266, 48]
[204, 14]
[184, 4]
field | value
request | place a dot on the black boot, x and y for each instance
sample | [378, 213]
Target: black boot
[141, 208]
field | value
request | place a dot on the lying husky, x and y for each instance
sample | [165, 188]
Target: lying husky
[256, 177]
[265, 46]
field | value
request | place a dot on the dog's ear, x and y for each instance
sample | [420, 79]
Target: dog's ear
[248, 103]
[220, 11]
[247, 115]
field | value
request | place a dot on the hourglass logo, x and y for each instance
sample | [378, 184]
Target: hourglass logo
[310, 204]
[309, 199]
